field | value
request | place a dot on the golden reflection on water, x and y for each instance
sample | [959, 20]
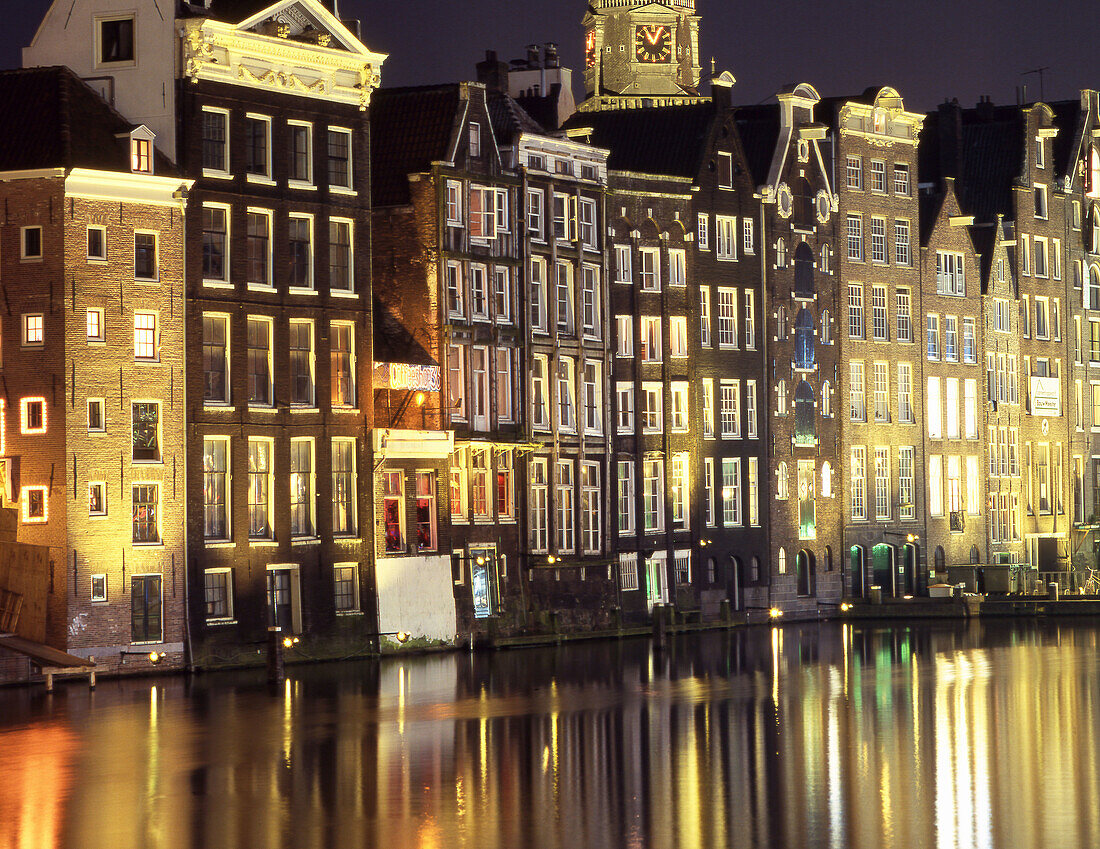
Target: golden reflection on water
[957, 736]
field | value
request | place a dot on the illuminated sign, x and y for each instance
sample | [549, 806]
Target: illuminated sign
[1046, 399]
[405, 376]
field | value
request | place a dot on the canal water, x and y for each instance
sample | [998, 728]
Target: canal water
[959, 734]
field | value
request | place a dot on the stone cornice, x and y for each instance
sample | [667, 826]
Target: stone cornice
[218, 52]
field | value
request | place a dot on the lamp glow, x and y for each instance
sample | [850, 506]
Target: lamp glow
[775, 613]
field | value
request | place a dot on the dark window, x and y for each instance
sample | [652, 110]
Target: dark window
[259, 351]
[32, 242]
[213, 141]
[97, 243]
[804, 567]
[145, 612]
[146, 420]
[214, 358]
[256, 147]
[299, 153]
[34, 415]
[36, 503]
[217, 595]
[300, 253]
[339, 255]
[803, 270]
[339, 159]
[145, 256]
[301, 363]
[804, 340]
[145, 498]
[345, 578]
[259, 226]
[343, 385]
[95, 415]
[116, 40]
[213, 243]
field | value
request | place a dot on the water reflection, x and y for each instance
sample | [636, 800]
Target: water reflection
[956, 735]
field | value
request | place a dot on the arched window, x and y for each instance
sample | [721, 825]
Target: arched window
[1094, 288]
[975, 555]
[781, 324]
[823, 266]
[940, 559]
[826, 328]
[826, 399]
[782, 561]
[804, 340]
[780, 254]
[828, 558]
[804, 571]
[805, 429]
[826, 481]
[781, 398]
[803, 271]
[754, 569]
[781, 481]
[712, 568]
[1094, 236]
[1094, 172]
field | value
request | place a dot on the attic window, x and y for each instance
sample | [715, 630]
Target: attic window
[141, 156]
[880, 121]
[116, 40]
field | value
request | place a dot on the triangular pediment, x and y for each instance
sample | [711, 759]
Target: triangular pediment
[302, 21]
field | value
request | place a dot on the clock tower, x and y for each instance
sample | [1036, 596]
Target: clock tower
[639, 53]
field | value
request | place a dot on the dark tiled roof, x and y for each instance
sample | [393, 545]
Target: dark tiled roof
[393, 343]
[666, 140]
[510, 118]
[410, 129]
[759, 130]
[1067, 114]
[49, 118]
[232, 11]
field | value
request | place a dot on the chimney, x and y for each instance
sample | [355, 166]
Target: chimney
[533, 63]
[551, 55]
[985, 108]
[950, 126]
[493, 73]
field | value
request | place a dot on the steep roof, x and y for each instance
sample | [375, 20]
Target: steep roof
[49, 118]
[667, 140]
[510, 119]
[758, 127]
[410, 129]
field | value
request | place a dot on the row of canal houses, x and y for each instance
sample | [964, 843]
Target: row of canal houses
[466, 362]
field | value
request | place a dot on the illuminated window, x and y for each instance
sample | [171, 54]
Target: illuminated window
[215, 475]
[393, 510]
[141, 156]
[146, 509]
[33, 415]
[302, 489]
[343, 487]
[259, 489]
[95, 325]
[145, 336]
[33, 329]
[30, 243]
[35, 506]
[342, 354]
[425, 511]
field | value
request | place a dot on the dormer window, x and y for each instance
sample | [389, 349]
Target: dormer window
[880, 121]
[475, 139]
[141, 150]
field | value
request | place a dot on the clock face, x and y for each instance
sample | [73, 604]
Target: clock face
[590, 50]
[653, 43]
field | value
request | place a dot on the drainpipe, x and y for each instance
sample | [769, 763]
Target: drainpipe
[767, 429]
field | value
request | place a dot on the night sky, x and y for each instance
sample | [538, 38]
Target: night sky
[927, 49]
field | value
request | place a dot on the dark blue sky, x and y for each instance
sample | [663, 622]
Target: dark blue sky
[927, 49]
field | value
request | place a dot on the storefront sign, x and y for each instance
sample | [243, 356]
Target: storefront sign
[404, 376]
[1046, 399]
